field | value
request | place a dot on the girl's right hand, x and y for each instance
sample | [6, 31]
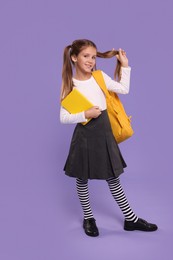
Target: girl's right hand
[93, 112]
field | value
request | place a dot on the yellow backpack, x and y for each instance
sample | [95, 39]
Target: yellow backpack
[120, 122]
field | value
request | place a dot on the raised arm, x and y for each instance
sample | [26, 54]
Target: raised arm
[121, 87]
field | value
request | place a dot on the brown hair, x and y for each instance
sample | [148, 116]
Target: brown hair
[74, 49]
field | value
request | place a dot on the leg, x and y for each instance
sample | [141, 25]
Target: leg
[132, 222]
[120, 197]
[89, 224]
[83, 194]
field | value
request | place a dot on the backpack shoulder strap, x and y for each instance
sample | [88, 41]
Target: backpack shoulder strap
[98, 76]
[111, 97]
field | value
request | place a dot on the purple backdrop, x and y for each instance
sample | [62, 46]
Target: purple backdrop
[40, 215]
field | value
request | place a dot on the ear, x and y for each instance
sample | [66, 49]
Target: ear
[74, 58]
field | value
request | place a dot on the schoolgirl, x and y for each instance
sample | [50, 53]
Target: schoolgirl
[94, 153]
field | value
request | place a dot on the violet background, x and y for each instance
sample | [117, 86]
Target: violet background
[40, 215]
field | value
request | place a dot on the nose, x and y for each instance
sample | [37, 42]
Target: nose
[90, 60]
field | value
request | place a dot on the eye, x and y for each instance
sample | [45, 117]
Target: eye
[94, 57]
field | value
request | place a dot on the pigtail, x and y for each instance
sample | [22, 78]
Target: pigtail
[67, 73]
[110, 54]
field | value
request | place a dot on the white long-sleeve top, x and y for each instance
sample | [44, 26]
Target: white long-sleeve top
[91, 90]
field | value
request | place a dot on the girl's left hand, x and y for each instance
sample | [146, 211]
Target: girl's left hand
[122, 58]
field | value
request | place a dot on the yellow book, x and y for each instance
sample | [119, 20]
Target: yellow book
[76, 102]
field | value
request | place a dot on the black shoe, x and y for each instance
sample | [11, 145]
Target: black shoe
[140, 224]
[90, 227]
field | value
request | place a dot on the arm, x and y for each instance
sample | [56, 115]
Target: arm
[121, 87]
[67, 118]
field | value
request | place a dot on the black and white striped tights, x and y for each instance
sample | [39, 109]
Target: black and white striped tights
[117, 193]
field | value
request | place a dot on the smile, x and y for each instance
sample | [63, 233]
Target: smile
[89, 66]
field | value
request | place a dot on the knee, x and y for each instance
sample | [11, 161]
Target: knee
[81, 182]
[112, 180]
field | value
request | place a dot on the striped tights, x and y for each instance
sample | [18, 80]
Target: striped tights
[117, 193]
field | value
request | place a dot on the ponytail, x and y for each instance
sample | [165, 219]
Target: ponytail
[67, 73]
[110, 54]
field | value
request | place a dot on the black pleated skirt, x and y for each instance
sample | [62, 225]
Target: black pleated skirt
[94, 153]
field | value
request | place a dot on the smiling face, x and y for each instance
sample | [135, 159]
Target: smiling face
[85, 61]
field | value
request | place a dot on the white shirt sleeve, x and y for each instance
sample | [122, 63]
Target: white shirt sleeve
[121, 87]
[67, 118]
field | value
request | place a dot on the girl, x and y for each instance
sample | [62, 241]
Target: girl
[94, 153]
